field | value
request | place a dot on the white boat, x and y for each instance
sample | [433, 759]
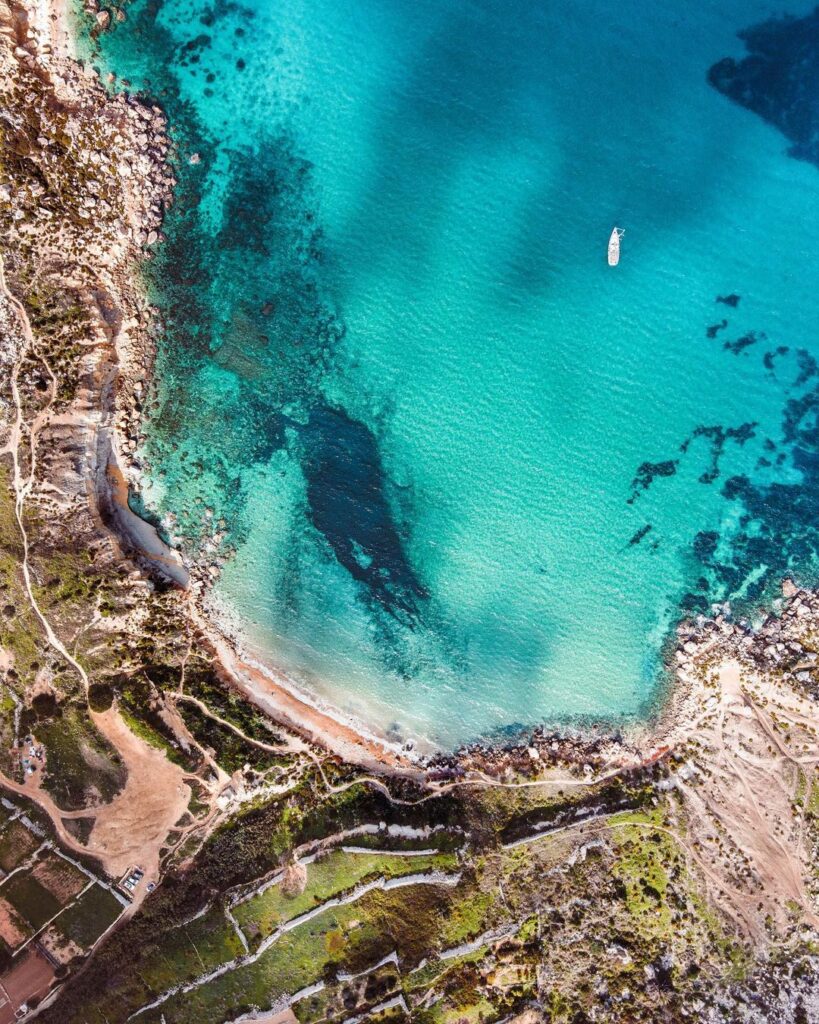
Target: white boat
[614, 246]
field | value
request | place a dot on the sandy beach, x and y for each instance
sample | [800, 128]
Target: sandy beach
[269, 688]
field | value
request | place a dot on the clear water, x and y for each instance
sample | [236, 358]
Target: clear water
[402, 382]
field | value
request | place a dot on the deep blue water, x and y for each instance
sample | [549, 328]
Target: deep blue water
[467, 476]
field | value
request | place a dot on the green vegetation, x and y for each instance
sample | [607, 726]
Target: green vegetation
[336, 873]
[195, 947]
[59, 318]
[17, 843]
[79, 762]
[84, 921]
[100, 697]
[230, 750]
[59, 876]
[227, 703]
[31, 899]
[20, 631]
[647, 856]
[138, 705]
[80, 828]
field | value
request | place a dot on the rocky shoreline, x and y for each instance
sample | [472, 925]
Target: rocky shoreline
[121, 369]
[595, 839]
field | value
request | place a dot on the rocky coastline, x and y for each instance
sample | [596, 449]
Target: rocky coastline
[120, 371]
[106, 430]
[715, 801]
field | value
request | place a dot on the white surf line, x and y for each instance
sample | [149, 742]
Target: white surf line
[431, 878]
[389, 1004]
[390, 958]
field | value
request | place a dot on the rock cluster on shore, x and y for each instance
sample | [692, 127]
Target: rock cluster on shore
[783, 644]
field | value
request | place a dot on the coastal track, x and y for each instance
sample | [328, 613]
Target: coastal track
[22, 484]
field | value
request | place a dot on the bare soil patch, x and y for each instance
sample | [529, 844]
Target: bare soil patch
[754, 771]
[132, 828]
[61, 879]
[33, 976]
[13, 930]
[57, 945]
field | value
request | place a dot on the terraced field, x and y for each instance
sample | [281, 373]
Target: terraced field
[47, 897]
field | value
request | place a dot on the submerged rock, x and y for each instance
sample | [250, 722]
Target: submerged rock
[779, 80]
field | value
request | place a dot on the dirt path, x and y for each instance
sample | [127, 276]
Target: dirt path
[292, 744]
[743, 809]
[133, 827]
[47, 804]
[22, 485]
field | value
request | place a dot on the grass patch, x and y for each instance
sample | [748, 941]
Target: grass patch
[469, 917]
[133, 706]
[30, 899]
[78, 760]
[645, 856]
[336, 873]
[88, 918]
[16, 844]
[59, 877]
[189, 950]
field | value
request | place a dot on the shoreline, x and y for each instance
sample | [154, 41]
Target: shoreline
[663, 868]
[605, 744]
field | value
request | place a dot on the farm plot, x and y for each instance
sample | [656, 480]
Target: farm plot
[296, 961]
[16, 844]
[59, 876]
[86, 919]
[323, 919]
[30, 899]
[31, 977]
[14, 929]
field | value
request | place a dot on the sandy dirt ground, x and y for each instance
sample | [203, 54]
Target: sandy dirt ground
[11, 930]
[282, 1017]
[61, 880]
[755, 755]
[133, 827]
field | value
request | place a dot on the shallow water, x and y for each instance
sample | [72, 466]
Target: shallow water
[467, 476]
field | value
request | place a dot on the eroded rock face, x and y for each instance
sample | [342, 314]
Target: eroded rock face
[779, 79]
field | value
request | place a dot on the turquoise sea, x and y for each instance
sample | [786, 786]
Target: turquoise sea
[466, 476]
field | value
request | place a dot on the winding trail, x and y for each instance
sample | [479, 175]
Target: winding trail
[22, 486]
